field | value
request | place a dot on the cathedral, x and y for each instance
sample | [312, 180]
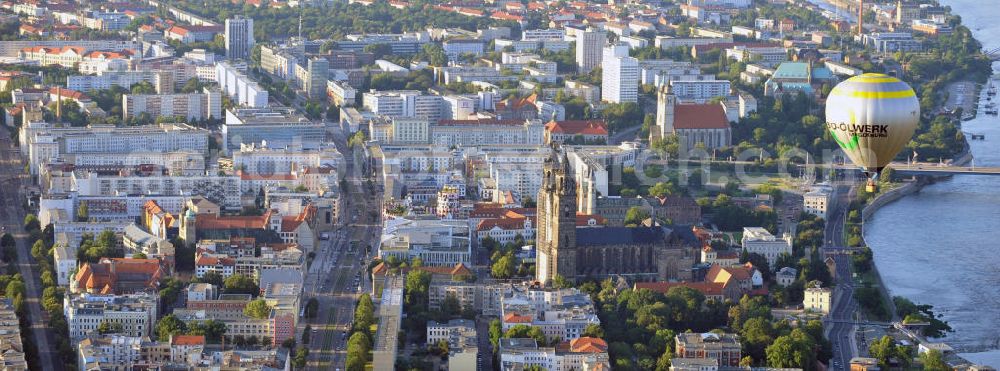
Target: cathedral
[638, 254]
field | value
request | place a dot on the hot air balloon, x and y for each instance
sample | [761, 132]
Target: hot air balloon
[871, 117]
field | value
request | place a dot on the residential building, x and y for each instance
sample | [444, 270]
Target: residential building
[192, 33]
[891, 42]
[453, 332]
[589, 46]
[758, 240]
[136, 313]
[724, 348]
[83, 60]
[786, 276]
[455, 48]
[265, 160]
[817, 201]
[620, 81]
[403, 103]
[580, 354]
[818, 299]
[239, 38]
[559, 313]
[576, 132]
[162, 81]
[238, 86]
[278, 127]
[341, 93]
[193, 106]
[12, 358]
[700, 90]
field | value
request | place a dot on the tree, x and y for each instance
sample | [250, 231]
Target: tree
[496, 332]
[933, 361]
[312, 308]
[525, 331]
[257, 309]
[364, 313]
[8, 248]
[794, 350]
[503, 267]
[31, 223]
[358, 346]
[301, 355]
[306, 334]
[450, 306]
[109, 328]
[885, 350]
[635, 215]
[662, 189]
[169, 325]
[82, 212]
[593, 330]
[241, 284]
[212, 277]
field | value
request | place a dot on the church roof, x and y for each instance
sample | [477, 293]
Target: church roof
[700, 116]
[619, 236]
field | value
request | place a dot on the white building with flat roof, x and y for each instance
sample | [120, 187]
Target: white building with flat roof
[817, 201]
[277, 127]
[758, 240]
[620, 80]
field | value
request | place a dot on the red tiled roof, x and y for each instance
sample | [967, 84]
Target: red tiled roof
[516, 318]
[700, 116]
[578, 127]
[212, 221]
[187, 340]
[588, 345]
[582, 219]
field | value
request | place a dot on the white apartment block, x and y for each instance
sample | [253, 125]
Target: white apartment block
[450, 331]
[162, 81]
[524, 179]
[817, 201]
[238, 86]
[223, 190]
[759, 240]
[43, 142]
[818, 299]
[544, 34]
[449, 133]
[589, 46]
[256, 159]
[766, 56]
[620, 82]
[12, 48]
[136, 313]
[194, 106]
[279, 61]
[341, 93]
[404, 103]
[457, 47]
[700, 91]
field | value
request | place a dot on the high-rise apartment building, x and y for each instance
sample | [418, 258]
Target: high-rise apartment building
[620, 80]
[239, 37]
[588, 49]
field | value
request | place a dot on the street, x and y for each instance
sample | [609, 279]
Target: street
[841, 334]
[338, 272]
[13, 182]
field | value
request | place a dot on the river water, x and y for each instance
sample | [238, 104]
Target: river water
[941, 246]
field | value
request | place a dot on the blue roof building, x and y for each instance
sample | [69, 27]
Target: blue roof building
[797, 76]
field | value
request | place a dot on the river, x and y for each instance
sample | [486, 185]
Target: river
[941, 246]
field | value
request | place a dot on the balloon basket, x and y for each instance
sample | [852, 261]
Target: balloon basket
[871, 187]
